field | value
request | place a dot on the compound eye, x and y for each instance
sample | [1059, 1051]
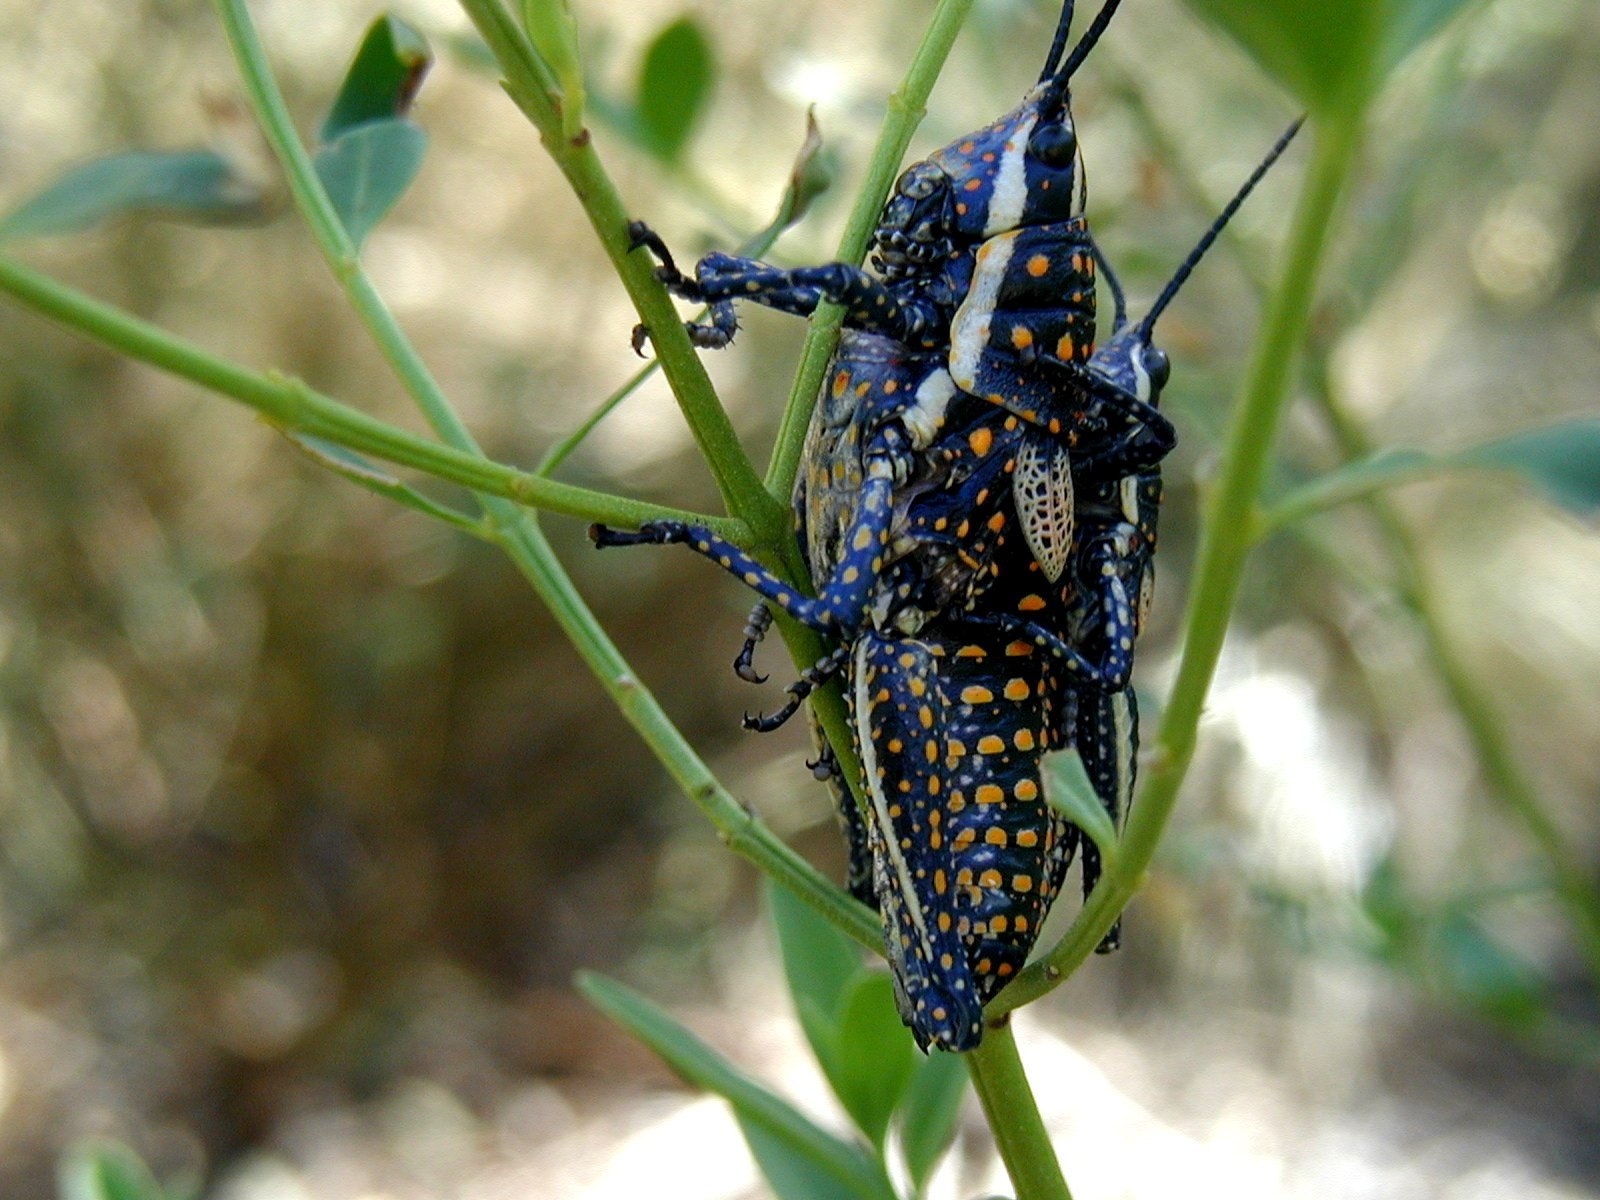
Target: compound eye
[918, 184]
[1158, 366]
[1053, 145]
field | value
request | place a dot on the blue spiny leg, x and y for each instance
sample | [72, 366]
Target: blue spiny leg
[841, 600]
[755, 630]
[857, 838]
[724, 320]
[1105, 730]
[818, 673]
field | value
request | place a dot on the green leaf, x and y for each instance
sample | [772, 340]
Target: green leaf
[848, 1167]
[1332, 56]
[1324, 53]
[106, 1171]
[875, 1057]
[810, 176]
[383, 78]
[187, 185]
[929, 1115]
[364, 473]
[1562, 461]
[1068, 790]
[791, 1175]
[555, 36]
[368, 169]
[1473, 966]
[820, 964]
[1412, 22]
[674, 85]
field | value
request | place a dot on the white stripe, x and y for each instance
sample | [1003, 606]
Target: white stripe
[969, 329]
[925, 418]
[1011, 181]
[880, 802]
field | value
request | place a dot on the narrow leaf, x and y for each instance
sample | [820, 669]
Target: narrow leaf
[383, 78]
[364, 473]
[809, 177]
[1413, 22]
[929, 1116]
[674, 85]
[1562, 461]
[368, 169]
[187, 185]
[1476, 968]
[876, 1057]
[1068, 790]
[106, 1171]
[1325, 54]
[555, 36]
[819, 963]
[849, 1166]
[791, 1175]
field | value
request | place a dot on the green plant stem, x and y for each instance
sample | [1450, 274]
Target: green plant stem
[516, 530]
[1506, 777]
[1013, 1115]
[907, 106]
[1225, 544]
[527, 83]
[291, 405]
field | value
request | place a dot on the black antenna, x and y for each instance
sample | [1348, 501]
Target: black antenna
[1060, 43]
[1195, 255]
[1119, 298]
[1087, 41]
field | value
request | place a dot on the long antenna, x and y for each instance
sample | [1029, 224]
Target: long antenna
[1060, 43]
[1195, 255]
[1087, 41]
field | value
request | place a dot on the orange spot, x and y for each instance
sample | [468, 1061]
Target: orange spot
[976, 695]
[972, 652]
[1026, 789]
[1021, 337]
[1038, 265]
[997, 522]
[973, 185]
[1028, 839]
[1023, 739]
[989, 793]
[989, 879]
[1022, 883]
[980, 440]
[1016, 689]
[995, 836]
[990, 744]
[840, 382]
[1032, 602]
[1019, 649]
[1065, 349]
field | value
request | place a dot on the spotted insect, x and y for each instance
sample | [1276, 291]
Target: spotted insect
[1091, 623]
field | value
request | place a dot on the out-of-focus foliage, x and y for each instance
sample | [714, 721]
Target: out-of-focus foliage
[308, 813]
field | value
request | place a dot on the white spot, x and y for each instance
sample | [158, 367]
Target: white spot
[1130, 498]
[1010, 182]
[925, 418]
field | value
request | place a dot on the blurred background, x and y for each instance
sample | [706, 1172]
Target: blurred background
[308, 813]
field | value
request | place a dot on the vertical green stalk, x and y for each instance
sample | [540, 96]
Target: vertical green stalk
[1225, 543]
[1505, 775]
[1013, 1116]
